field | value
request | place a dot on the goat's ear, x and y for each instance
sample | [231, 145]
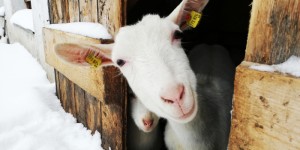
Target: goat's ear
[176, 12]
[85, 55]
[185, 11]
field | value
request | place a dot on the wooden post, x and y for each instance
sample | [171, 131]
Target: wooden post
[267, 105]
[274, 32]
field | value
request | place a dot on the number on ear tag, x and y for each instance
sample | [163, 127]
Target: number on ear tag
[93, 60]
[194, 19]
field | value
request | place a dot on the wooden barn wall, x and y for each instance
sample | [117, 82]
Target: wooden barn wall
[108, 117]
[111, 13]
[266, 106]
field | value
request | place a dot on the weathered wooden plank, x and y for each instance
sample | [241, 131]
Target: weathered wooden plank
[93, 112]
[59, 10]
[65, 11]
[266, 111]
[74, 12]
[114, 112]
[88, 78]
[115, 86]
[57, 85]
[274, 31]
[112, 127]
[80, 104]
[66, 89]
[63, 91]
[112, 14]
[55, 11]
[88, 10]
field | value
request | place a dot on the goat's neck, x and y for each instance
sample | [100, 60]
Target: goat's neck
[189, 132]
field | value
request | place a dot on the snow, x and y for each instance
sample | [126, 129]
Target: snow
[31, 117]
[3, 40]
[89, 29]
[2, 11]
[23, 18]
[291, 66]
[1, 31]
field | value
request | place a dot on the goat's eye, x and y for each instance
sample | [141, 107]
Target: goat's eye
[177, 35]
[120, 62]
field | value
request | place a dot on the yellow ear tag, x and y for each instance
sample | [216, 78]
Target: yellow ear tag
[194, 19]
[93, 60]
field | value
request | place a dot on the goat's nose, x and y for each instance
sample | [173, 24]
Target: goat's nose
[173, 94]
[148, 122]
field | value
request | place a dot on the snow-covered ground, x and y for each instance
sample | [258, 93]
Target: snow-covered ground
[31, 117]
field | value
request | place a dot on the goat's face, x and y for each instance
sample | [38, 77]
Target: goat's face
[151, 58]
[143, 118]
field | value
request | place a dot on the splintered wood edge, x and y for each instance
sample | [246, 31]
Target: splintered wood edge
[88, 78]
[266, 110]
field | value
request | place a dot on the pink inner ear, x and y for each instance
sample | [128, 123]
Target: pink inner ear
[77, 54]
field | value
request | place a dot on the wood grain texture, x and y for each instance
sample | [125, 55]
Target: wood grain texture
[96, 97]
[74, 12]
[266, 111]
[274, 31]
[114, 113]
[110, 13]
[108, 119]
[88, 11]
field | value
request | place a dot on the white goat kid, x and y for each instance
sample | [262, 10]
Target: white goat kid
[143, 133]
[158, 71]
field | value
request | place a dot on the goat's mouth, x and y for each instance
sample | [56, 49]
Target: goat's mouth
[147, 129]
[189, 113]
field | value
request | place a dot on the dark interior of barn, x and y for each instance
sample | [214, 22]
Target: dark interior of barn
[224, 22]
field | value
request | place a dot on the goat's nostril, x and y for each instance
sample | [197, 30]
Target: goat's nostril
[148, 123]
[181, 91]
[173, 94]
[167, 100]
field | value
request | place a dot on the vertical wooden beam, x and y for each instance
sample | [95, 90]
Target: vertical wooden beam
[112, 13]
[59, 11]
[266, 105]
[274, 33]
[88, 10]
[114, 112]
[80, 105]
[74, 10]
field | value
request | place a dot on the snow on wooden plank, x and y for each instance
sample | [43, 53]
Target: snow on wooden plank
[93, 30]
[291, 66]
[2, 11]
[23, 18]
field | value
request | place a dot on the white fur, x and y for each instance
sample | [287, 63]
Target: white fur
[139, 113]
[148, 70]
[140, 137]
